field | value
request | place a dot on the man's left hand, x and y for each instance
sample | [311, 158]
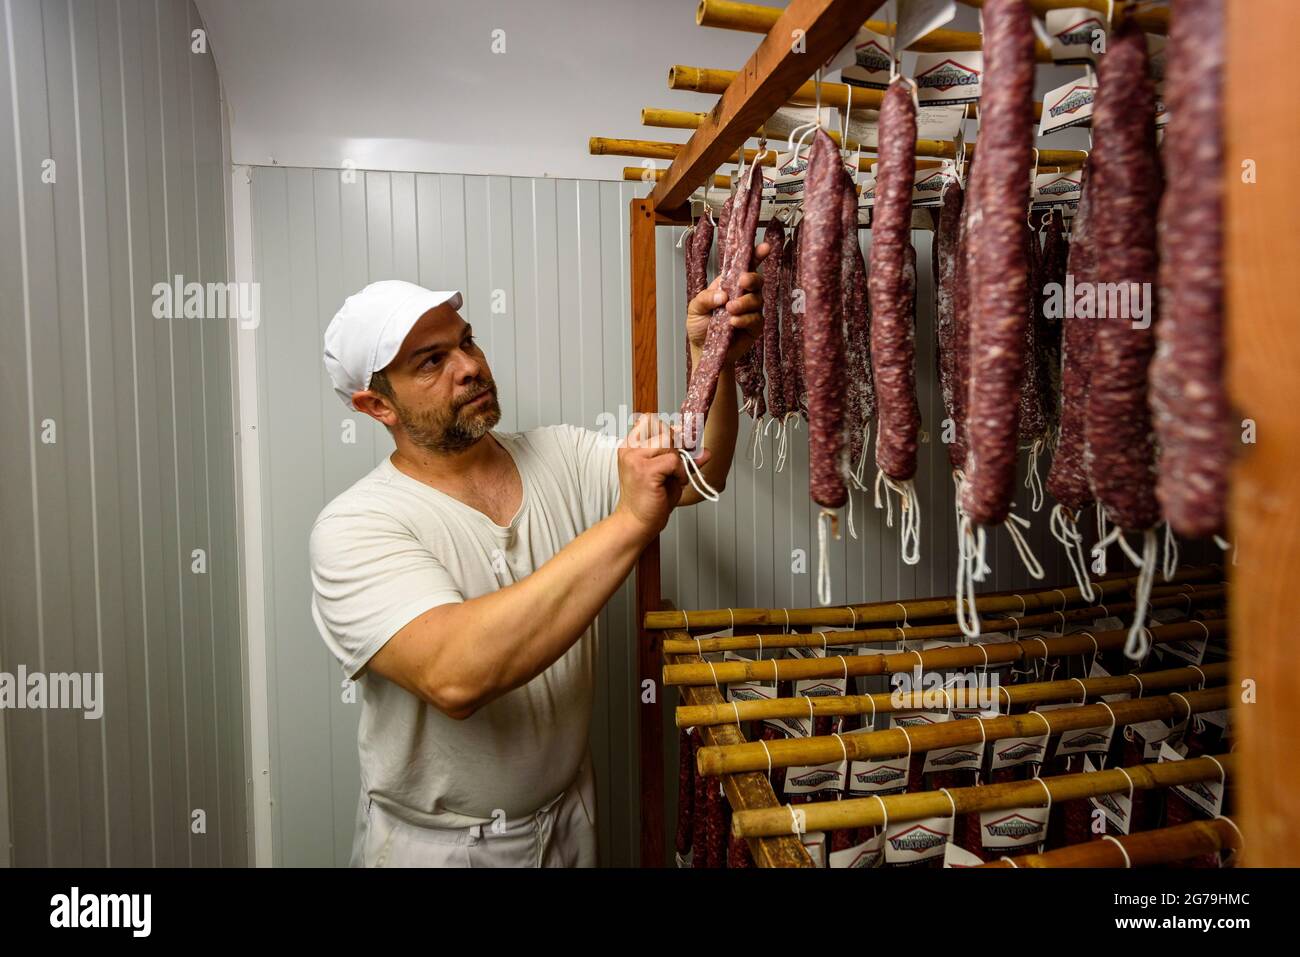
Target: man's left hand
[745, 311]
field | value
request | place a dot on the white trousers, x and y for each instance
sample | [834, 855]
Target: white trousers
[560, 834]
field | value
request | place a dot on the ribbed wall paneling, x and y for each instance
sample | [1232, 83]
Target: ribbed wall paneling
[96, 575]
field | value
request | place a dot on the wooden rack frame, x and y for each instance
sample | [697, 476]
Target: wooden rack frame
[1263, 346]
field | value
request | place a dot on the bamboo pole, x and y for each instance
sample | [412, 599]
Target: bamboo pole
[1037, 692]
[752, 18]
[936, 659]
[766, 80]
[889, 611]
[745, 791]
[654, 149]
[1150, 19]
[866, 636]
[896, 742]
[695, 79]
[687, 120]
[639, 173]
[916, 806]
[1164, 845]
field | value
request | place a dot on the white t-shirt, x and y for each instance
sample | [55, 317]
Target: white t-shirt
[390, 548]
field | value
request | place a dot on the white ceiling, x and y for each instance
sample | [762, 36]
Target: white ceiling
[414, 84]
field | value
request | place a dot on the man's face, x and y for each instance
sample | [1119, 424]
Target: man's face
[444, 396]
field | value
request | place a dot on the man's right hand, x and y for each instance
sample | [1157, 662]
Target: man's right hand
[651, 475]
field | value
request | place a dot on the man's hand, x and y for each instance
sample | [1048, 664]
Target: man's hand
[651, 475]
[746, 311]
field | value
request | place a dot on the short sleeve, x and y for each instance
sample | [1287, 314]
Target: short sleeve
[596, 456]
[371, 577]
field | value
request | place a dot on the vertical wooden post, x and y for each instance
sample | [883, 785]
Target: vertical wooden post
[1262, 245]
[645, 398]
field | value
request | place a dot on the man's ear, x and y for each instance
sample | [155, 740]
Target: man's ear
[376, 406]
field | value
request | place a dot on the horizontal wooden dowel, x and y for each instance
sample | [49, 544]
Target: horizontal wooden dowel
[895, 742]
[697, 79]
[916, 806]
[1149, 19]
[752, 18]
[639, 173]
[1207, 597]
[1030, 693]
[947, 149]
[895, 612]
[1165, 845]
[936, 659]
[653, 149]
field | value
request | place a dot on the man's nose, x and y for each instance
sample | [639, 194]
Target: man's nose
[468, 367]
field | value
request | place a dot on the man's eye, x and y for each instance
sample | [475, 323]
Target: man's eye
[431, 360]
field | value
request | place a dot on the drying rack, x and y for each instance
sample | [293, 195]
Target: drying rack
[1262, 132]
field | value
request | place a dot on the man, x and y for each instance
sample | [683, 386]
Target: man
[458, 582]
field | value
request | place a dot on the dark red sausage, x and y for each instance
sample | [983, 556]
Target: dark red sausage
[823, 337]
[697, 268]
[961, 309]
[1119, 444]
[685, 791]
[772, 319]
[1187, 392]
[1001, 174]
[737, 251]
[853, 297]
[1033, 421]
[893, 336]
[791, 357]
[947, 256]
[1067, 482]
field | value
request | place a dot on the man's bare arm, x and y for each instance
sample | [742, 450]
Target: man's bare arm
[459, 657]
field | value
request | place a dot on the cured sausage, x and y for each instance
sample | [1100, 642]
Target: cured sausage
[1067, 481]
[791, 358]
[823, 337]
[853, 293]
[1000, 174]
[961, 307]
[772, 268]
[1187, 394]
[1119, 451]
[947, 256]
[697, 268]
[685, 791]
[1033, 420]
[893, 336]
[736, 251]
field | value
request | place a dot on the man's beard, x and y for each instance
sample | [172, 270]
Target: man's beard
[444, 431]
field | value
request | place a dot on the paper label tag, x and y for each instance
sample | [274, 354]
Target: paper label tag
[1115, 806]
[1206, 796]
[1010, 752]
[911, 841]
[875, 776]
[951, 759]
[954, 856]
[1108, 624]
[916, 18]
[949, 77]
[864, 61]
[914, 718]
[751, 691]
[815, 845]
[819, 687]
[1015, 828]
[783, 183]
[869, 853]
[1086, 741]
[927, 190]
[1053, 189]
[793, 727]
[1155, 733]
[1188, 649]
[940, 121]
[1077, 35]
[819, 777]
[715, 656]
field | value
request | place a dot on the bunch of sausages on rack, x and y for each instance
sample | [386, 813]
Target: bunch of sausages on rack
[1133, 412]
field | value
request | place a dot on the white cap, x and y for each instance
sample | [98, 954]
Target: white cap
[367, 332]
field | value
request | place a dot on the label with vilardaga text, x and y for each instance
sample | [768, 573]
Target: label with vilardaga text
[1070, 104]
[949, 77]
[1078, 34]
